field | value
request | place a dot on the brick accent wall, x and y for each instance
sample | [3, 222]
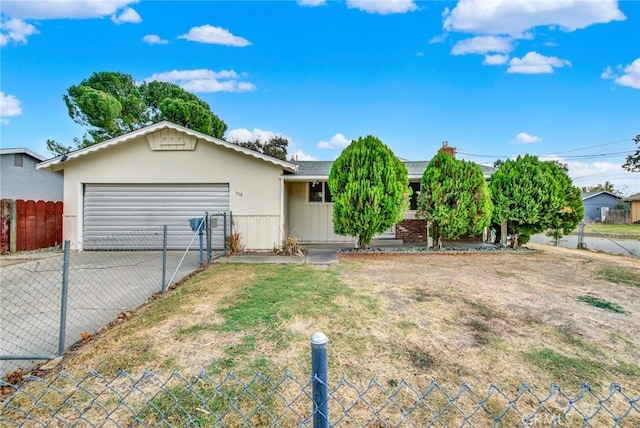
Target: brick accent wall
[412, 230]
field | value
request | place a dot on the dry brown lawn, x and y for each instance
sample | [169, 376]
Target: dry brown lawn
[481, 318]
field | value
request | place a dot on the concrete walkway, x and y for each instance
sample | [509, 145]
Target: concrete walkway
[316, 255]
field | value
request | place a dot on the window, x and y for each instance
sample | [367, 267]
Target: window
[413, 199]
[319, 192]
[327, 193]
[315, 192]
[18, 160]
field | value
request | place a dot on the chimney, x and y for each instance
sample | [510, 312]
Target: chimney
[448, 149]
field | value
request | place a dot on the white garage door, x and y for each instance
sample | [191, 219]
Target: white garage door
[131, 216]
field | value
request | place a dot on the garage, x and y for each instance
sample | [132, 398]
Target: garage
[132, 216]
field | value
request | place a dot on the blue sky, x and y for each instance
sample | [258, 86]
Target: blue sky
[556, 78]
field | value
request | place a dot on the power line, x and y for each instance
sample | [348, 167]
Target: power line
[574, 157]
[597, 145]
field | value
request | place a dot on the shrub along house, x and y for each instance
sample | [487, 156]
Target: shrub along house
[166, 174]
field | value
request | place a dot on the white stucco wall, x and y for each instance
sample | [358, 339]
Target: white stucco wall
[254, 184]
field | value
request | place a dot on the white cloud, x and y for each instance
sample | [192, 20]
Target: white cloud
[534, 63]
[15, 30]
[9, 107]
[154, 39]
[383, 7]
[515, 17]
[607, 73]
[481, 45]
[301, 156]
[496, 59]
[631, 76]
[243, 135]
[203, 80]
[312, 3]
[551, 44]
[438, 39]
[524, 138]
[214, 35]
[585, 174]
[60, 9]
[128, 15]
[338, 141]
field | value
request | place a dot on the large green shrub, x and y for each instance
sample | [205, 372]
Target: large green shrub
[529, 195]
[370, 189]
[454, 197]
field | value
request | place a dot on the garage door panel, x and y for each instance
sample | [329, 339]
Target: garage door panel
[131, 215]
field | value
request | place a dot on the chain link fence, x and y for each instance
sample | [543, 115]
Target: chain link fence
[50, 300]
[150, 401]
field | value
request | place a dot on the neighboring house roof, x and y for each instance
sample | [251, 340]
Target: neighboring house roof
[589, 195]
[635, 197]
[158, 127]
[22, 150]
[318, 170]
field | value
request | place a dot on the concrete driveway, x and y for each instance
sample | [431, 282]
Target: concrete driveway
[102, 284]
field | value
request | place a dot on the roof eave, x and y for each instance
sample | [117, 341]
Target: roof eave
[51, 163]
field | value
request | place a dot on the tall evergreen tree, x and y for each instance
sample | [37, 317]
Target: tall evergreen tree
[454, 197]
[370, 189]
[527, 195]
[567, 219]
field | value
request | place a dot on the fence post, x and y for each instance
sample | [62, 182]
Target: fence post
[319, 372]
[581, 244]
[163, 286]
[13, 228]
[63, 299]
[208, 229]
[224, 232]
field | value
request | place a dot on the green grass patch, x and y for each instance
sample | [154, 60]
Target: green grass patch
[602, 304]
[620, 275]
[262, 309]
[280, 292]
[572, 339]
[617, 229]
[572, 370]
[207, 403]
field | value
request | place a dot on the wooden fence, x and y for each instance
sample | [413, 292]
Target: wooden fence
[618, 217]
[29, 225]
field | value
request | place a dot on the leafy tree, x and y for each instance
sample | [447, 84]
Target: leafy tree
[567, 219]
[563, 166]
[606, 187]
[110, 104]
[275, 147]
[633, 161]
[167, 101]
[370, 189]
[454, 197]
[527, 195]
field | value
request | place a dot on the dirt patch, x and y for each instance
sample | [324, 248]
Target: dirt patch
[478, 314]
